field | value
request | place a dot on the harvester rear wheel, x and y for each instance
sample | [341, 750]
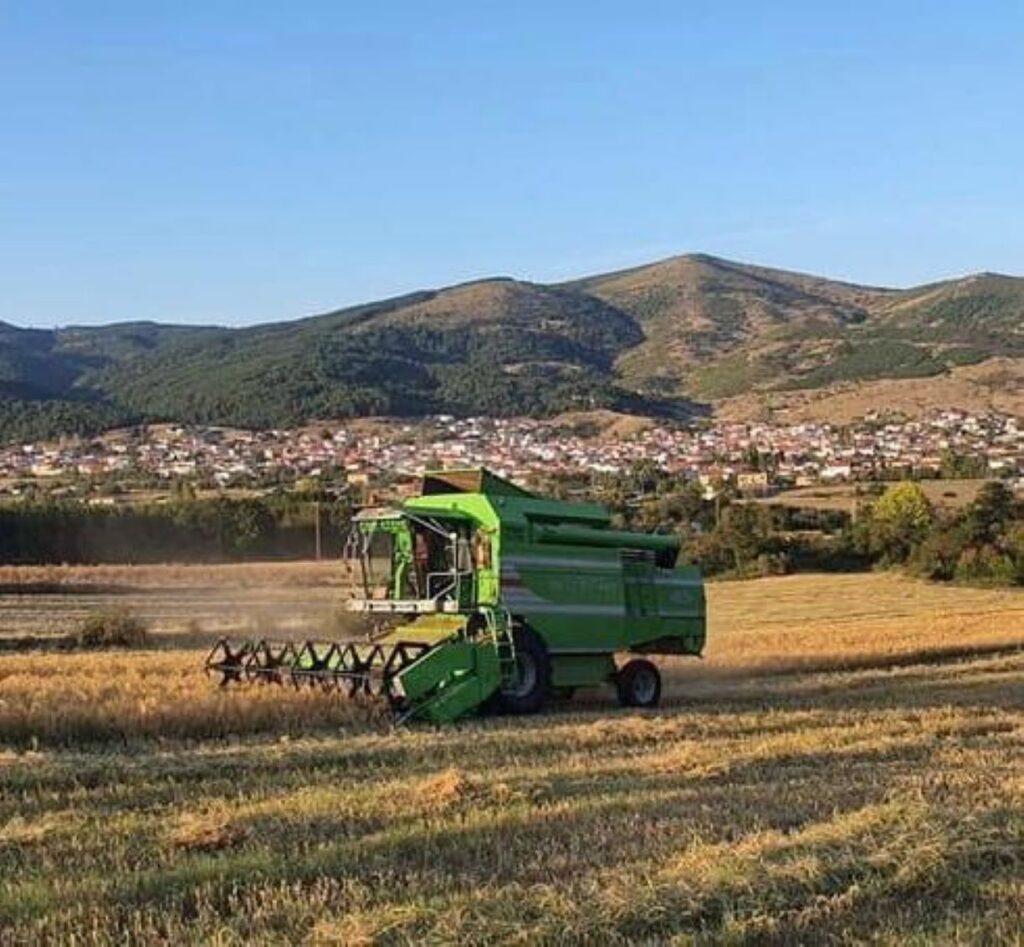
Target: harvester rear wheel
[530, 689]
[639, 684]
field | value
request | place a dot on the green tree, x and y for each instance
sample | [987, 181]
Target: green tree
[746, 531]
[990, 513]
[1015, 546]
[644, 477]
[899, 521]
[954, 466]
[937, 556]
[245, 523]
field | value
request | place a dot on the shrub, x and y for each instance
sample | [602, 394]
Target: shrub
[709, 551]
[809, 552]
[987, 564]
[937, 557]
[112, 628]
[1015, 546]
[772, 563]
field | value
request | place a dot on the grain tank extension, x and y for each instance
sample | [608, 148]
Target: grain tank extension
[494, 597]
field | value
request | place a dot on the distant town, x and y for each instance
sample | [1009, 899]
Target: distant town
[752, 457]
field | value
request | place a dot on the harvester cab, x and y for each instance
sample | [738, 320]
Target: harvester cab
[405, 563]
[484, 594]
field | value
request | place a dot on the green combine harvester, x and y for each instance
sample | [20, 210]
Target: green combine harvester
[488, 596]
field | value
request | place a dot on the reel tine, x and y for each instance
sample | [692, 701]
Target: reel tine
[329, 668]
[356, 669]
[272, 656]
[297, 668]
[252, 664]
[378, 681]
[263, 662]
[227, 661]
[309, 666]
[287, 664]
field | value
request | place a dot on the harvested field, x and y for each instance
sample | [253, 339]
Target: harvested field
[947, 495]
[197, 600]
[845, 766]
[247, 575]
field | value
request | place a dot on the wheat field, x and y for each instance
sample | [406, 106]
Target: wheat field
[847, 765]
[233, 599]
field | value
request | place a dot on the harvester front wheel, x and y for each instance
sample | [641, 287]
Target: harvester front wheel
[529, 689]
[639, 684]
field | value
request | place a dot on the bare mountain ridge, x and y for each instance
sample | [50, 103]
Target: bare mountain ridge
[695, 309]
[715, 328]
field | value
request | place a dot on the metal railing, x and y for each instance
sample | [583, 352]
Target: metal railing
[444, 589]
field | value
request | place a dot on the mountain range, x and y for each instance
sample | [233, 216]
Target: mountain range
[691, 334]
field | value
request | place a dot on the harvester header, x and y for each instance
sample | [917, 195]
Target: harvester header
[493, 597]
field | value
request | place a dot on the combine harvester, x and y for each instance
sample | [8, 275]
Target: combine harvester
[492, 597]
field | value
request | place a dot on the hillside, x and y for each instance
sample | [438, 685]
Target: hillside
[680, 335]
[695, 310]
[716, 329]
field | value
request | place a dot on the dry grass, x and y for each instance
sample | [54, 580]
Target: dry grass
[831, 774]
[68, 699]
[247, 575]
[840, 621]
[945, 494]
[996, 384]
[206, 831]
[790, 627]
[608, 425]
[112, 628]
[199, 602]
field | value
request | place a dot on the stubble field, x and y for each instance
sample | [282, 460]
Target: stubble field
[846, 765]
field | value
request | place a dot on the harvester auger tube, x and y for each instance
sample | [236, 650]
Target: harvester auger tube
[497, 597]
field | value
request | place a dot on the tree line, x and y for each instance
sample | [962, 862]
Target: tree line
[981, 543]
[192, 530]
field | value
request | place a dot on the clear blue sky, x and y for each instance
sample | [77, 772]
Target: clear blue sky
[243, 161]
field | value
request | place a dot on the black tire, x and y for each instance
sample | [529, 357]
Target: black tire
[531, 691]
[639, 684]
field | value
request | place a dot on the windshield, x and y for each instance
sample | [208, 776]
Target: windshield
[380, 558]
[412, 557]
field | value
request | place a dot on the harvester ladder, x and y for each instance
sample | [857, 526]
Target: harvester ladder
[499, 623]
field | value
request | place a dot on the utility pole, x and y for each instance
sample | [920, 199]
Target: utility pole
[316, 520]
